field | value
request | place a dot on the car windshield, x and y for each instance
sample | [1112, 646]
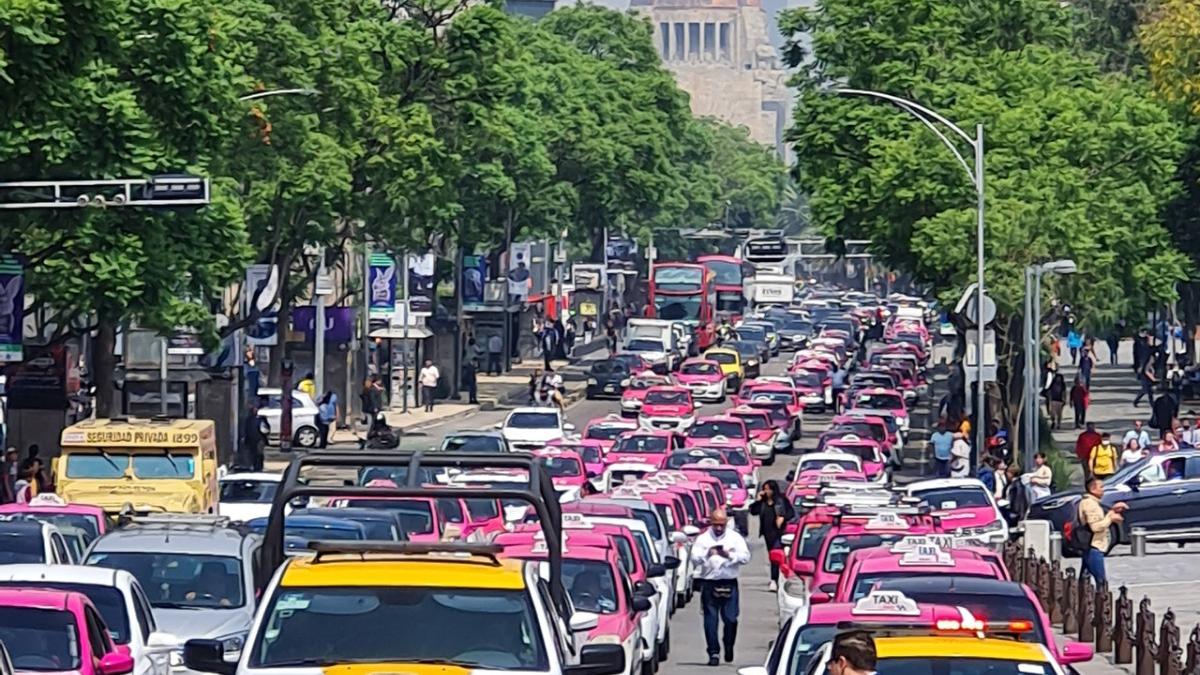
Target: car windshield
[699, 369]
[23, 546]
[604, 432]
[864, 429]
[348, 532]
[643, 545]
[108, 600]
[415, 515]
[808, 379]
[736, 457]
[811, 539]
[648, 519]
[724, 358]
[841, 546]
[562, 467]
[755, 422]
[752, 333]
[954, 497]
[677, 307]
[714, 428]
[644, 345]
[797, 326]
[533, 420]
[63, 521]
[819, 464]
[728, 477]
[880, 401]
[784, 397]
[679, 459]
[591, 585]
[865, 583]
[778, 413]
[608, 367]
[471, 443]
[174, 580]
[590, 454]
[867, 453]
[486, 629]
[746, 349]
[667, 397]
[808, 640]
[40, 639]
[145, 464]
[248, 491]
[641, 443]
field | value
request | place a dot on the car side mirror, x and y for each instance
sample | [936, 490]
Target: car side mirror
[592, 474]
[115, 663]
[581, 622]
[568, 426]
[697, 405]
[207, 656]
[678, 537]
[691, 530]
[788, 538]
[804, 567]
[790, 476]
[498, 425]
[671, 562]
[1077, 652]
[644, 588]
[641, 603]
[596, 659]
[1134, 482]
[656, 570]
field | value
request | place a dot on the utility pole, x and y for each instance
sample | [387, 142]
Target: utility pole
[403, 271]
[319, 291]
[162, 376]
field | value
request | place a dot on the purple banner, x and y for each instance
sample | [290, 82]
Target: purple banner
[339, 323]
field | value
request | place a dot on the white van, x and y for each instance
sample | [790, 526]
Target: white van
[655, 340]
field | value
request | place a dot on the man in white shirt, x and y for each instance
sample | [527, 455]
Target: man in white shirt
[429, 381]
[718, 555]
[960, 457]
[1137, 432]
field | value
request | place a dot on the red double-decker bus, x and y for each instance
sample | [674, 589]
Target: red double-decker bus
[732, 275]
[685, 292]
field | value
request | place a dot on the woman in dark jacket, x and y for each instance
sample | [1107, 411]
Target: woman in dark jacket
[774, 512]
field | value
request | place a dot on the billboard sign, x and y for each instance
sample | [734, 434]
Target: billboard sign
[383, 286]
[12, 308]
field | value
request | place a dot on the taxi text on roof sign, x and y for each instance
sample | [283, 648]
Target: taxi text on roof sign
[886, 521]
[886, 602]
[131, 437]
[913, 541]
[927, 555]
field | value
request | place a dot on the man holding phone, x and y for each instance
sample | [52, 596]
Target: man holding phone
[719, 553]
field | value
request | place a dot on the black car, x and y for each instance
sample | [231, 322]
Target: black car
[755, 333]
[608, 378]
[751, 353]
[795, 333]
[1162, 491]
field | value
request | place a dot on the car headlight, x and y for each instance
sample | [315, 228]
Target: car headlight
[593, 381]
[629, 403]
[605, 640]
[752, 362]
[233, 645]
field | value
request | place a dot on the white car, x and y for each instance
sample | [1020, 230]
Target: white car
[246, 496]
[966, 508]
[23, 541]
[533, 428]
[305, 432]
[119, 598]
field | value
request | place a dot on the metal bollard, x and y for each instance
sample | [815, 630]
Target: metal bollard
[1055, 546]
[1137, 541]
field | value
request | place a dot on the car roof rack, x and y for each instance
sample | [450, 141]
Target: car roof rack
[537, 490]
[182, 521]
[324, 548]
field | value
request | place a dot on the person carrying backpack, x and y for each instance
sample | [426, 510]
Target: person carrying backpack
[1091, 528]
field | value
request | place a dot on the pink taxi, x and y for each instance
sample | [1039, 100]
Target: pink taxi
[717, 431]
[814, 383]
[737, 497]
[869, 452]
[605, 430]
[591, 451]
[766, 438]
[878, 398]
[49, 507]
[635, 393]
[965, 507]
[704, 378]
[49, 631]
[564, 466]
[669, 408]
[809, 482]
[850, 534]
[644, 446]
[912, 556]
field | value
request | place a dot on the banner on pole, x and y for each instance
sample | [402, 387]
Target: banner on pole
[260, 293]
[12, 308]
[382, 280]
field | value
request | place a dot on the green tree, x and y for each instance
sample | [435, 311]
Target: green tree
[751, 177]
[1078, 164]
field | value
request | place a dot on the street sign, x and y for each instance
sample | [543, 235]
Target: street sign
[966, 306]
[324, 285]
[971, 362]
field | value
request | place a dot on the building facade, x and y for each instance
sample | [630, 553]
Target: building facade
[721, 54]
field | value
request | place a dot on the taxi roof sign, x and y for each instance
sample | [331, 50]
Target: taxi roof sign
[913, 541]
[879, 602]
[886, 521]
[47, 499]
[927, 555]
[708, 461]
[576, 521]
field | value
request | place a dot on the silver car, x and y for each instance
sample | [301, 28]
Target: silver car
[197, 572]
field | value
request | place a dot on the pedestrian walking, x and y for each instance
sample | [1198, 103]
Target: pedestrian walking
[1104, 458]
[569, 338]
[838, 384]
[10, 471]
[372, 403]
[470, 381]
[853, 653]
[253, 440]
[428, 379]
[1080, 399]
[1092, 527]
[1087, 440]
[1056, 397]
[1163, 412]
[1087, 361]
[960, 456]
[308, 385]
[589, 330]
[475, 352]
[535, 381]
[942, 440]
[1074, 344]
[326, 416]
[718, 554]
[548, 345]
[1113, 340]
[43, 479]
[773, 511]
[1137, 433]
[494, 348]
[610, 332]
[1041, 481]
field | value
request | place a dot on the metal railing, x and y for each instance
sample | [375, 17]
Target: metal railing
[1092, 614]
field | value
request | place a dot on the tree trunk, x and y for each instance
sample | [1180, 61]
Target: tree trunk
[279, 349]
[104, 364]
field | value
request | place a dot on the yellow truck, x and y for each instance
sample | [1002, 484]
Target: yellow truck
[140, 465]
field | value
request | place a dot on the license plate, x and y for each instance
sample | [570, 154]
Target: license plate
[609, 388]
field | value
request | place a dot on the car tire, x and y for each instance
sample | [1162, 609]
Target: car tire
[770, 459]
[307, 437]
[681, 599]
[664, 649]
[649, 667]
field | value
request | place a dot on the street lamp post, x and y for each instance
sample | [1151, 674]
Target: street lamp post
[278, 92]
[931, 119]
[1033, 345]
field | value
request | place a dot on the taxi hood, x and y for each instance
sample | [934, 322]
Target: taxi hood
[972, 516]
[204, 622]
[393, 667]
